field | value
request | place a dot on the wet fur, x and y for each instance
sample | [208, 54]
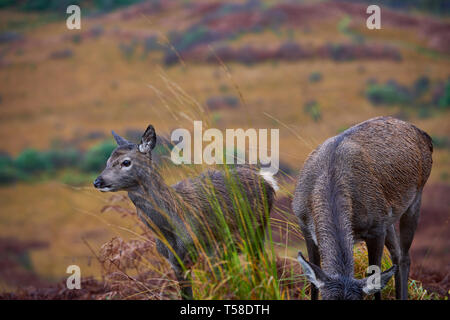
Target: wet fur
[176, 213]
[355, 186]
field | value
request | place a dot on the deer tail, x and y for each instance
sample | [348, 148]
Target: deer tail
[269, 178]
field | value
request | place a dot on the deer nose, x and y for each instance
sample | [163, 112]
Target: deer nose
[99, 182]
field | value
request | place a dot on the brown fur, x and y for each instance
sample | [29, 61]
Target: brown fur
[355, 186]
[182, 215]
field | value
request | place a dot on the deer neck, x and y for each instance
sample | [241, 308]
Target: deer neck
[335, 237]
[155, 200]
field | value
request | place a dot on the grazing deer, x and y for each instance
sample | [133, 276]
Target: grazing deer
[356, 186]
[182, 213]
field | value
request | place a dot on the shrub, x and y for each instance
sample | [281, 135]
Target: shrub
[290, 51]
[424, 112]
[216, 117]
[340, 52]
[421, 85]
[222, 102]
[44, 5]
[10, 36]
[96, 31]
[106, 5]
[388, 94]
[128, 50]
[61, 54]
[151, 44]
[6, 3]
[37, 4]
[76, 38]
[192, 37]
[313, 109]
[392, 93]
[94, 160]
[441, 142]
[5, 159]
[9, 174]
[62, 158]
[444, 100]
[344, 24]
[31, 161]
[223, 88]
[60, 5]
[315, 77]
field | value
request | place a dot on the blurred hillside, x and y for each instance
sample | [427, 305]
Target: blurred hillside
[310, 68]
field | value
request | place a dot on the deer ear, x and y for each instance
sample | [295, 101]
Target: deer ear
[120, 141]
[314, 274]
[374, 284]
[148, 140]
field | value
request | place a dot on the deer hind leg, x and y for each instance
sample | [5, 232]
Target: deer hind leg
[314, 257]
[375, 248]
[393, 245]
[408, 225]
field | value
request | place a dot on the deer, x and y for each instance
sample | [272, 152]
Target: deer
[357, 186]
[182, 213]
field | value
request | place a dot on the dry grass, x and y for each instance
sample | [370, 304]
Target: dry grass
[98, 90]
[134, 270]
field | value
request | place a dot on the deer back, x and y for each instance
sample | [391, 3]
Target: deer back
[378, 167]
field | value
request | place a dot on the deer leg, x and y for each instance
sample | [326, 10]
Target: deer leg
[375, 248]
[185, 285]
[392, 243]
[186, 288]
[314, 257]
[408, 225]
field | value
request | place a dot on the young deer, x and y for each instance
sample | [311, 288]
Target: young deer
[356, 186]
[182, 213]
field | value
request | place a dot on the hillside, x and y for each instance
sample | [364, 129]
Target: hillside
[310, 68]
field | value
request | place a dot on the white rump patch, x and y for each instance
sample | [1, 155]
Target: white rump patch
[268, 176]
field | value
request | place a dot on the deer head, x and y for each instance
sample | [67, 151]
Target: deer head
[339, 287]
[127, 163]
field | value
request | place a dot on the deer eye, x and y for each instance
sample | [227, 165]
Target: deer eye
[126, 163]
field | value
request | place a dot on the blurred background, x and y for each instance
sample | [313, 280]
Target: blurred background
[310, 68]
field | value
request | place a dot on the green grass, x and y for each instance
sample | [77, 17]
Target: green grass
[243, 264]
[415, 289]
[230, 260]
